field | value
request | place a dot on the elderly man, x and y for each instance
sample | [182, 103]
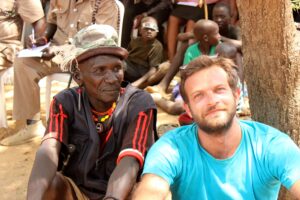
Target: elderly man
[65, 18]
[218, 157]
[98, 133]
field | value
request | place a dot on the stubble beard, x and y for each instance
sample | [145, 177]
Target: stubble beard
[215, 126]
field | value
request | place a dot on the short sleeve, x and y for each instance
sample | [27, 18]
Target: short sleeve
[283, 160]
[163, 160]
[156, 55]
[188, 56]
[30, 10]
[138, 137]
[57, 125]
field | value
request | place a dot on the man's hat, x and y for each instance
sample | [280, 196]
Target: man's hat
[93, 40]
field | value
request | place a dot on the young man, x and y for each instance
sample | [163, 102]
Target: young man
[219, 156]
[97, 133]
[65, 18]
[145, 55]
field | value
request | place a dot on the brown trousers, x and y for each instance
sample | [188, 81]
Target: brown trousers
[27, 73]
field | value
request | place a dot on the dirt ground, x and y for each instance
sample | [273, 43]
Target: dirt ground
[16, 161]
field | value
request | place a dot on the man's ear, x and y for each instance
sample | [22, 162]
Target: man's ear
[77, 76]
[237, 95]
[205, 37]
[187, 109]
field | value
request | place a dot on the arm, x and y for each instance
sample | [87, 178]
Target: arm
[295, 189]
[234, 11]
[151, 187]
[236, 43]
[138, 83]
[123, 178]
[44, 168]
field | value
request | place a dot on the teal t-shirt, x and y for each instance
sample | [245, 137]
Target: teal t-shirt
[265, 158]
[193, 52]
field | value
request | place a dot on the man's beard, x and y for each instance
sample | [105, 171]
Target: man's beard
[215, 126]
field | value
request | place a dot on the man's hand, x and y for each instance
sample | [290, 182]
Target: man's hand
[48, 54]
[138, 19]
[32, 42]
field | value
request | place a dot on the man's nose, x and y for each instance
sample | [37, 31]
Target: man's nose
[110, 76]
[212, 98]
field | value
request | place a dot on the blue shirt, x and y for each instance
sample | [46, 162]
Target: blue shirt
[264, 158]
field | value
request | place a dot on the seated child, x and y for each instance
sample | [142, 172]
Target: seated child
[145, 55]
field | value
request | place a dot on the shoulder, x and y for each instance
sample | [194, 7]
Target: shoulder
[193, 46]
[234, 32]
[181, 137]
[264, 135]
[157, 43]
[137, 99]
[67, 94]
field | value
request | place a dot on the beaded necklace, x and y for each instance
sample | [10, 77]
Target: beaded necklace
[100, 118]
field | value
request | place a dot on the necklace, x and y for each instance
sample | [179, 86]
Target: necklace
[100, 118]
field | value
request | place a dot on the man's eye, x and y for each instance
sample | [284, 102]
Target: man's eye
[117, 69]
[221, 89]
[198, 96]
[98, 70]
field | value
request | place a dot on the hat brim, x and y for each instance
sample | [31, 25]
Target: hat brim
[113, 51]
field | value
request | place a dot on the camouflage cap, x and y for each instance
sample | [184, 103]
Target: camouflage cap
[93, 40]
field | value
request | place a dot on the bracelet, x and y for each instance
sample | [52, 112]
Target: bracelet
[110, 197]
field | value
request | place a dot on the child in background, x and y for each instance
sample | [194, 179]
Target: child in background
[206, 33]
[145, 55]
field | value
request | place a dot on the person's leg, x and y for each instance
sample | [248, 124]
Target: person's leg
[159, 74]
[27, 73]
[60, 188]
[189, 26]
[174, 68]
[170, 107]
[172, 32]
[26, 105]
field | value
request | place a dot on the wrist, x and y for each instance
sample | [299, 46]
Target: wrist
[45, 39]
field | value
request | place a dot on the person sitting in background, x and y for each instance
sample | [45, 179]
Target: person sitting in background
[145, 55]
[98, 133]
[229, 33]
[12, 16]
[65, 18]
[206, 33]
[186, 12]
[219, 156]
[135, 10]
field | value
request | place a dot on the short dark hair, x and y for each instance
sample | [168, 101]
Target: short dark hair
[222, 5]
[204, 62]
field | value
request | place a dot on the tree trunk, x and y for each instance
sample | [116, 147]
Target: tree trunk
[271, 50]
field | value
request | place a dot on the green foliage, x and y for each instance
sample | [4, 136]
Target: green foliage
[295, 4]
